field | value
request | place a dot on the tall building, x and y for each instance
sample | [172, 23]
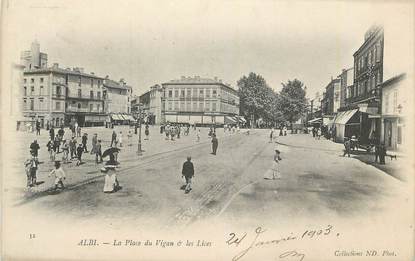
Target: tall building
[331, 100]
[346, 85]
[33, 58]
[57, 96]
[117, 96]
[151, 102]
[199, 101]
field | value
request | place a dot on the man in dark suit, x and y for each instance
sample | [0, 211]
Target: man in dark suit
[188, 172]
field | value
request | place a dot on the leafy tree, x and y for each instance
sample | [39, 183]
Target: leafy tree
[292, 102]
[255, 96]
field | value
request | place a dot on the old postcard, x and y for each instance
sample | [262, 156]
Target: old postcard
[207, 130]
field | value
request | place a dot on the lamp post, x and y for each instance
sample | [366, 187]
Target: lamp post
[139, 150]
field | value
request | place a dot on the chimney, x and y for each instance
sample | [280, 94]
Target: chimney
[107, 77]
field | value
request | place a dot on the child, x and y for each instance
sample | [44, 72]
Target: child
[198, 135]
[50, 145]
[59, 175]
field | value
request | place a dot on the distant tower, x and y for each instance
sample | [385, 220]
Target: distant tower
[33, 58]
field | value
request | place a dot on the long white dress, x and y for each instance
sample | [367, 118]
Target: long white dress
[110, 181]
[274, 171]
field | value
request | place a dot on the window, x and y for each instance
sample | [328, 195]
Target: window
[98, 107]
[58, 105]
[25, 91]
[58, 91]
[182, 93]
[176, 93]
[194, 106]
[91, 107]
[32, 104]
[32, 90]
[214, 106]
[24, 104]
[379, 79]
[41, 80]
[79, 93]
[176, 106]
[188, 106]
[169, 106]
[214, 93]
[378, 51]
[386, 103]
[99, 83]
[32, 80]
[201, 107]
[41, 90]
[182, 108]
[189, 93]
[170, 93]
[25, 80]
[208, 93]
[40, 104]
[92, 83]
[395, 101]
[99, 96]
[91, 94]
[201, 93]
[79, 81]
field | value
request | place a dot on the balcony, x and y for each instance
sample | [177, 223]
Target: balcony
[371, 94]
[83, 110]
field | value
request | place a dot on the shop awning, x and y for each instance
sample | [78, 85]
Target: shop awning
[344, 116]
[128, 117]
[230, 120]
[316, 120]
[242, 119]
[116, 117]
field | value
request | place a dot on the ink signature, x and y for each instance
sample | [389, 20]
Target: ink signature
[292, 253]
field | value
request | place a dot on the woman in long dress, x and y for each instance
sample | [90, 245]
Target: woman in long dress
[275, 170]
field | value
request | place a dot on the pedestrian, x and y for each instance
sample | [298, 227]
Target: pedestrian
[188, 173]
[347, 147]
[94, 141]
[65, 151]
[34, 148]
[120, 139]
[52, 133]
[37, 127]
[98, 152]
[146, 132]
[275, 165]
[214, 144]
[59, 175]
[198, 135]
[318, 133]
[113, 137]
[84, 141]
[31, 166]
[78, 131]
[57, 143]
[382, 153]
[72, 147]
[313, 130]
[271, 135]
[178, 131]
[111, 183]
[79, 152]
[285, 130]
[61, 132]
[50, 146]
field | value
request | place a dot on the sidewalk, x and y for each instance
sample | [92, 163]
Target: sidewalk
[153, 149]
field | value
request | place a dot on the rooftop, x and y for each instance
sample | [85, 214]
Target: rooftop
[55, 69]
[198, 80]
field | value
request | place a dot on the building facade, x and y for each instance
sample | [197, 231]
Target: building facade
[346, 85]
[57, 96]
[199, 101]
[33, 58]
[331, 99]
[394, 103]
[151, 102]
[117, 97]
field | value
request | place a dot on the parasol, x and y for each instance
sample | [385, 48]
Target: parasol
[110, 151]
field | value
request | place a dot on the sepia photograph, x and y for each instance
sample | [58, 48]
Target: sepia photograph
[207, 130]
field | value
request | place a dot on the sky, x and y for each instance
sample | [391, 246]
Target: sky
[151, 42]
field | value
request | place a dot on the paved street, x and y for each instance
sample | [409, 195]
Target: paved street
[316, 181]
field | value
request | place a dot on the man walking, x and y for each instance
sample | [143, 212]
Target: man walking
[94, 143]
[52, 133]
[188, 173]
[214, 144]
[72, 147]
[113, 137]
[34, 148]
[98, 152]
[84, 141]
[38, 128]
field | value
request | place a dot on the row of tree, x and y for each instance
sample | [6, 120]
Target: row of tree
[260, 101]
